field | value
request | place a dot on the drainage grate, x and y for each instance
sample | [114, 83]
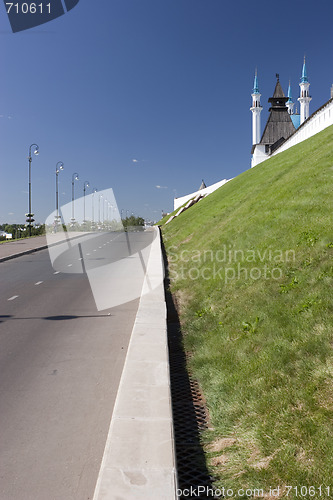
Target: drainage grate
[189, 414]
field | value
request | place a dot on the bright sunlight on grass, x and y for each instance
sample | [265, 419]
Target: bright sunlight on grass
[251, 269]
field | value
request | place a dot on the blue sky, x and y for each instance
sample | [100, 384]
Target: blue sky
[164, 82]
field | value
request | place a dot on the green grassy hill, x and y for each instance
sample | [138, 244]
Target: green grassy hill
[251, 268]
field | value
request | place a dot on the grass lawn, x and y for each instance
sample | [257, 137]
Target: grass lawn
[251, 268]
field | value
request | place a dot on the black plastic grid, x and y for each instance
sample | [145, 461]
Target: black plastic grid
[190, 416]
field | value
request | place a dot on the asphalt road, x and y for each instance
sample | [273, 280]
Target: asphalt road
[60, 364]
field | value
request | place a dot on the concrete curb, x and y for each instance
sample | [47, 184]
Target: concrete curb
[139, 456]
[20, 254]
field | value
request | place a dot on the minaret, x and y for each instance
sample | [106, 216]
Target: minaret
[256, 110]
[304, 97]
[290, 105]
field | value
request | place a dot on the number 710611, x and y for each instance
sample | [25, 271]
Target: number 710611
[32, 8]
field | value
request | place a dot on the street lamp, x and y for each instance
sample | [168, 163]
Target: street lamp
[59, 167]
[99, 208]
[93, 205]
[85, 185]
[105, 201]
[75, 177]
[30, 215]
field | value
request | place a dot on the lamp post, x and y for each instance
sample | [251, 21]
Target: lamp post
[93, 205]
[105, 201]
[59, 167]
[85, 185]
[75, 177]
[30, 215]
[99, 208]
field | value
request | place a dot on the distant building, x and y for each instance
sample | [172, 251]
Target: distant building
[282, 121]
[8, 236]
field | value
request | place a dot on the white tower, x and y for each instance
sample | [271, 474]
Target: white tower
[290, 105]
[304, 97]
[256, 110]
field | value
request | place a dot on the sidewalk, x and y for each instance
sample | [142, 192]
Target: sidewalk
[12, 249]
[139, 457]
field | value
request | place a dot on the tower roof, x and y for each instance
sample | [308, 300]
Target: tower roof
[279, 125]
[278, 100]
[290, 99]
[202, 185]
[304, 73]
[255, 84]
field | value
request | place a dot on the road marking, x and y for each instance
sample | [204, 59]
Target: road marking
[95, 250]
[13, 297]
[39, 283]
[87, 253]
[57, 272]
[69, 265]
[80, 258]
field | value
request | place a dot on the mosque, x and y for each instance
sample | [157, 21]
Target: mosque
[282, 121]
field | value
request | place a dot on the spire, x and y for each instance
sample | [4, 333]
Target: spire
[304, 74]
[290, 99]
[304, 97]
[289, 103]
[256, 110]
[255, 84]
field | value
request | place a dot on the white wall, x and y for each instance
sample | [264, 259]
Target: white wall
[317, 122]
[178, 202]
[259, 155]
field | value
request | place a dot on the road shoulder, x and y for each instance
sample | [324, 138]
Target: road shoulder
[139, 458]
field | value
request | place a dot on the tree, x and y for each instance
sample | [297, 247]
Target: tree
[133, 223]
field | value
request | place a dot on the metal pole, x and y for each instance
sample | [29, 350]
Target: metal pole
[86, 184]
[57, 202]
[30, 160]
[72, 199]
[29, 216]
[61, 167]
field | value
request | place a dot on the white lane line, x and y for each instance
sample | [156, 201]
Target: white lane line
[69, 265]
[80, 258]
[57, 272]
[13, 297]
[87, 253]
[95, 250]
[39, 282]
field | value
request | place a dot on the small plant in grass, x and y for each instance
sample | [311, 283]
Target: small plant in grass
[290, 286]
[251, 327]
[202, 312]
[308, 305]
[309, 238]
